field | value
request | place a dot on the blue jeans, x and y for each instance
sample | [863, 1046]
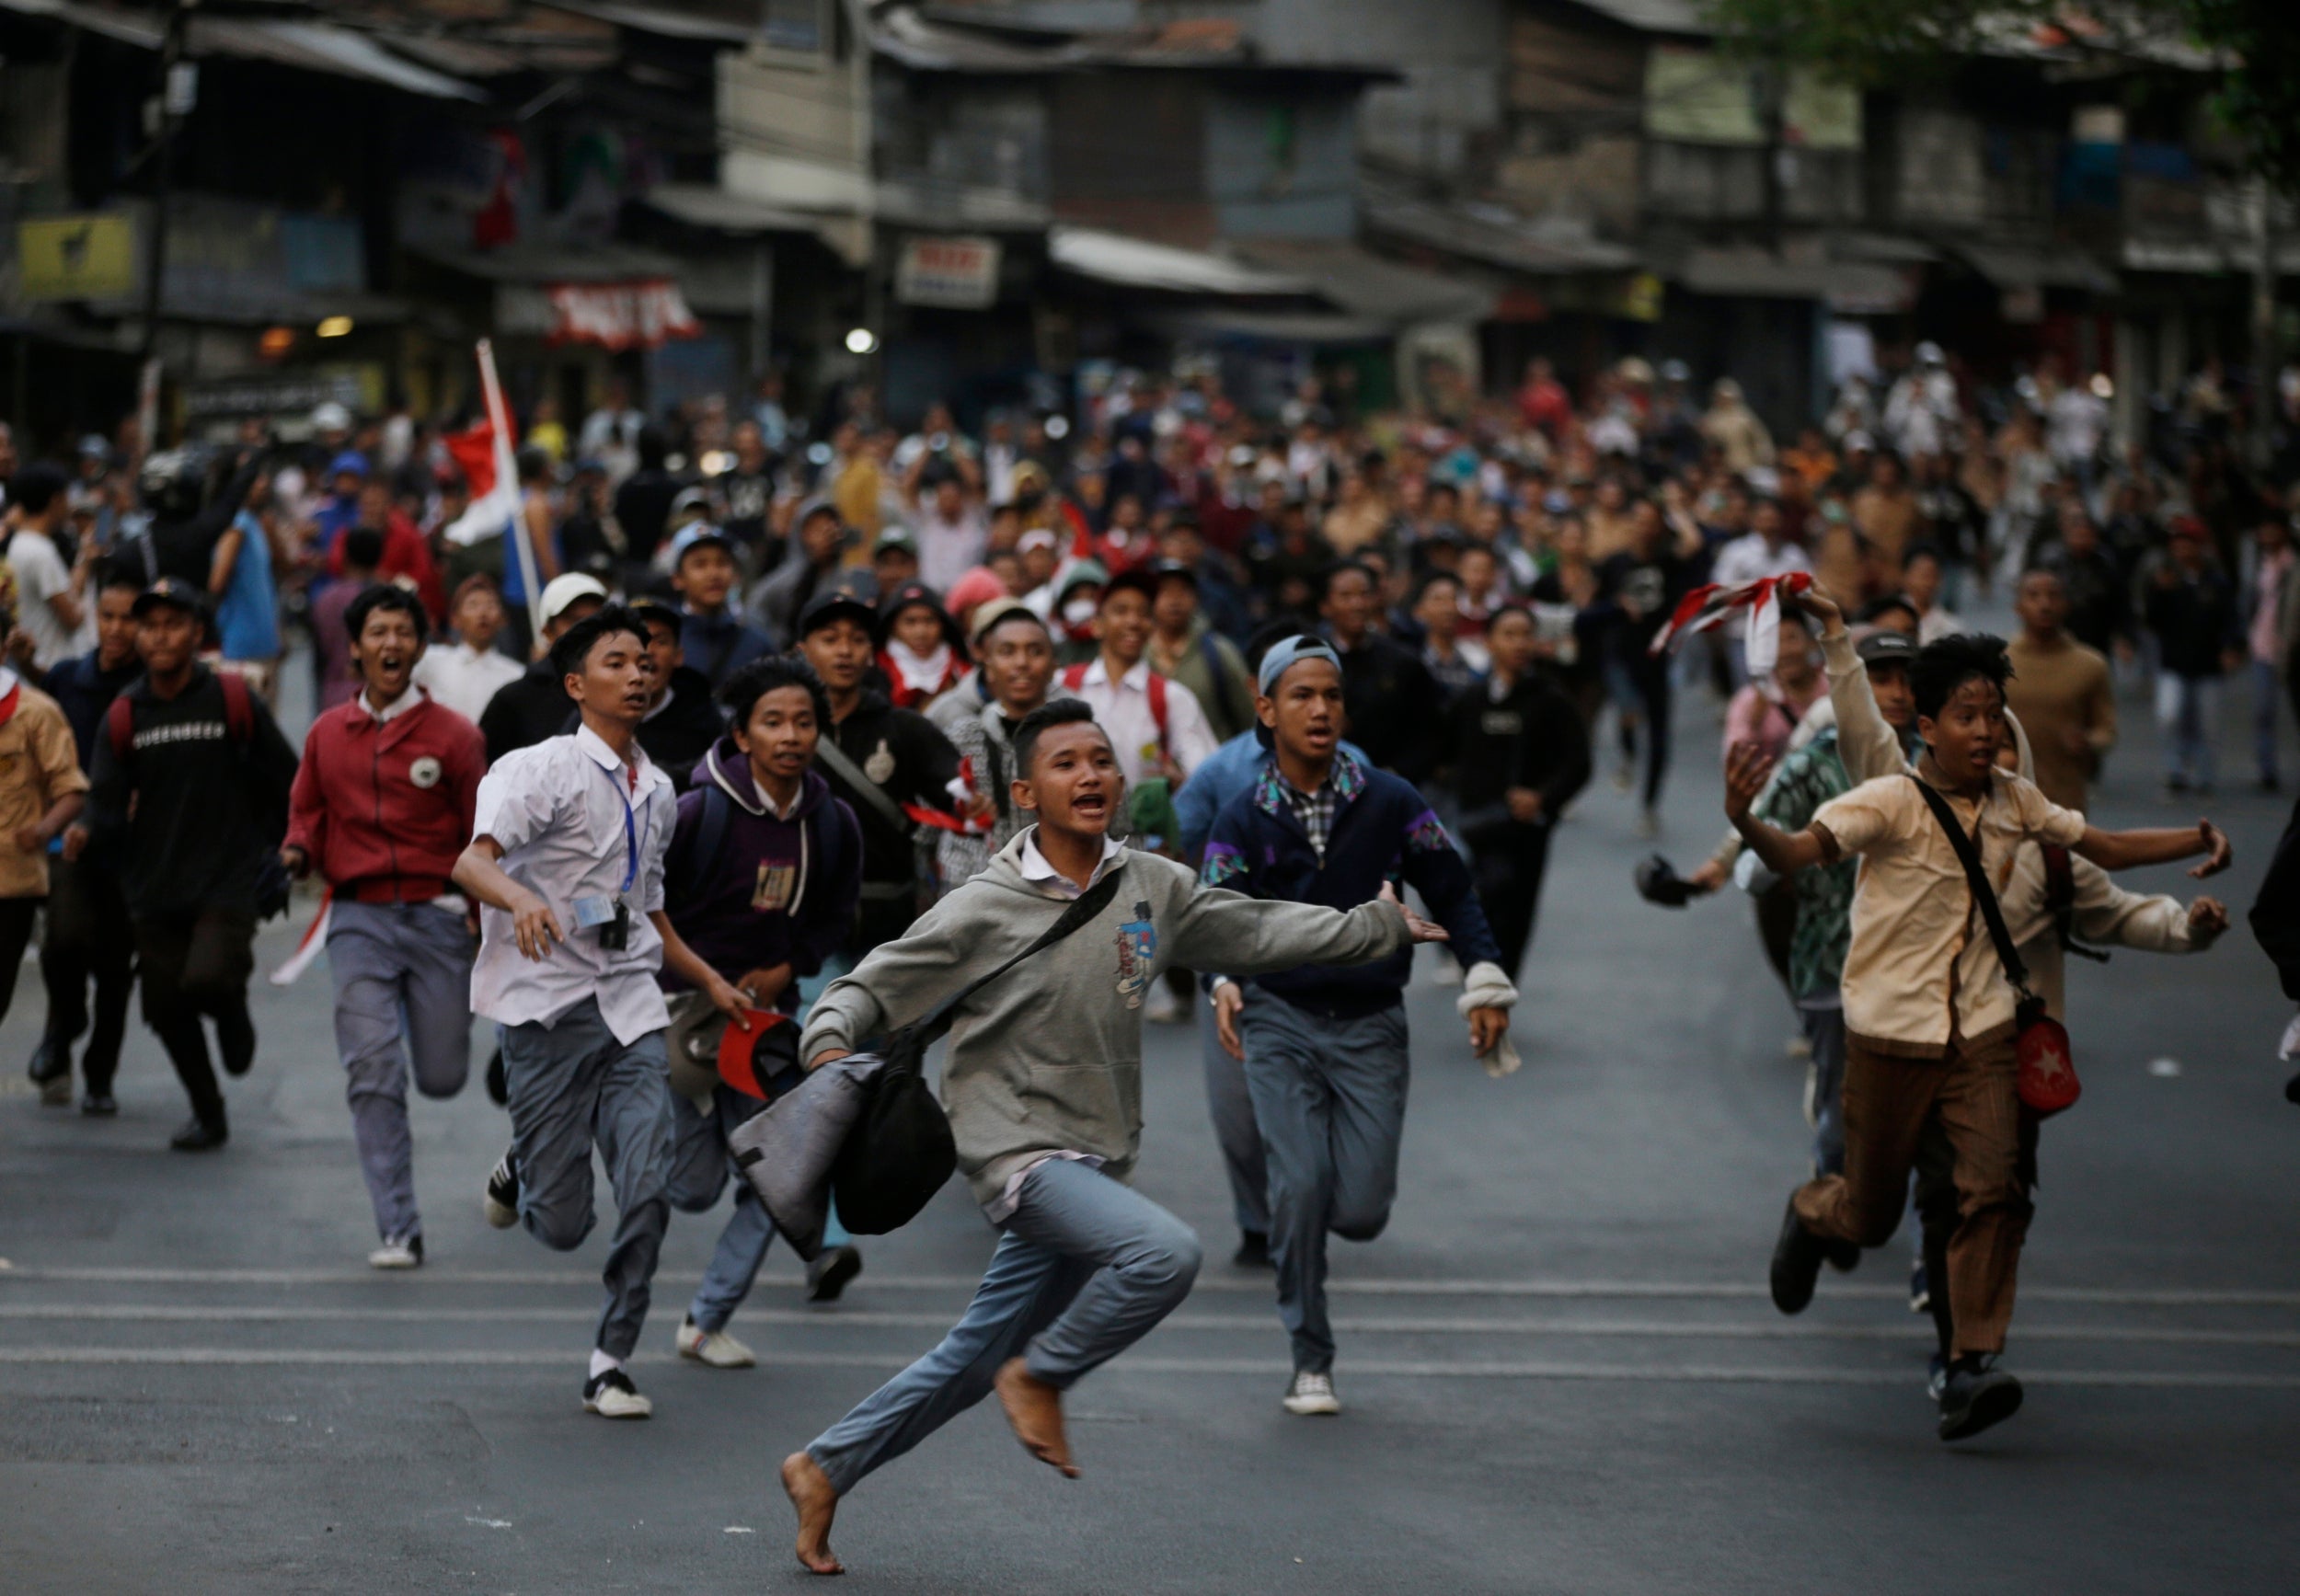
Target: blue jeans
[2188, 715]
[572, 1084]
[698, 1173]
[1329, 1095]
[1087, 1268]
[2267, 693]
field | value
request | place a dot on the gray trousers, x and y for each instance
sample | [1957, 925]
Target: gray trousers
[1824, 1031]
[571, 1085]
[401, 970]
[698, 1172]
[1329, 1094]
[1231, 1107]
[1087, 1268]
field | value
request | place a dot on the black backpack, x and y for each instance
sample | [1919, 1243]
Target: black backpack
[900, 1152]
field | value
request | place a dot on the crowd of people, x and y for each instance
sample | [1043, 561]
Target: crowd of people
[727, 752]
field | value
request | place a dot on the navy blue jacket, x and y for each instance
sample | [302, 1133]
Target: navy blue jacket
[1383, 829]
[84, 691]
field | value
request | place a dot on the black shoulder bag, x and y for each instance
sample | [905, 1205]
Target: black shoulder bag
[900, 1151]
[2047, 1078]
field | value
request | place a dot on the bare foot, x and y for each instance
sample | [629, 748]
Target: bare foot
[816, 1499]
[1035, 1409]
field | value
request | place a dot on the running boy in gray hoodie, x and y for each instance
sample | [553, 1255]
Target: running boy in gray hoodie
[1043, 1086]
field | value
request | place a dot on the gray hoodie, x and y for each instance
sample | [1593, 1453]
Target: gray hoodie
[1048, 1058]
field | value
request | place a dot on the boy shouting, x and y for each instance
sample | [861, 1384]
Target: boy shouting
[1928, 1010]
[1043, 1084]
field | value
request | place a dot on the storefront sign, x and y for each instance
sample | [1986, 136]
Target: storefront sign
[948, 274]
[620, 316]
[87, 257]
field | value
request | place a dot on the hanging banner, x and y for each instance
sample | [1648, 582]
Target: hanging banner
[620, 316]
[948, 274]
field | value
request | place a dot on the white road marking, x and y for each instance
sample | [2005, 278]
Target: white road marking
[2164, 1068]
[1256, 1284]
[215, 1357]
[1913, 1328]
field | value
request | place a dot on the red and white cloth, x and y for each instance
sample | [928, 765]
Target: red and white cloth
[1709, 606]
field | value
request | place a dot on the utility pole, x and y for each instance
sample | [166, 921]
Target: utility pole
[180, 91]
[2265, 397]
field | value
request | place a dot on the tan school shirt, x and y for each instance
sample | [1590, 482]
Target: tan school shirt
[1921, 965]
[39, 764]
[2054, 689]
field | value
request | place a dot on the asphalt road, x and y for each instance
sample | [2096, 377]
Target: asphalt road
[1561, 1368]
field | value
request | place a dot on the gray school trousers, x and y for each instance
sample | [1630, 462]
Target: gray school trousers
[401, 970]
[572, 1084]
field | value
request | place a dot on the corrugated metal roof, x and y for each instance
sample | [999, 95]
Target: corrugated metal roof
[1488, 233]
[312, 46]
[1367, 285]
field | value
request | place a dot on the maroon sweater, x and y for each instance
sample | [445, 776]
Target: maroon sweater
[384, 808]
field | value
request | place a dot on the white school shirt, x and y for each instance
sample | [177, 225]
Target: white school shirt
[1124, 710]
[558, 810]
[462, 678]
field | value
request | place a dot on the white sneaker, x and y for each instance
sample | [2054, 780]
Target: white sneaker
[612, 1396]
[406, 1253]
[715, 1347]
[1312, 1392]
[1159, 1005]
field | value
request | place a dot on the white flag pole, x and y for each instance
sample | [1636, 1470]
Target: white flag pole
[507, 471]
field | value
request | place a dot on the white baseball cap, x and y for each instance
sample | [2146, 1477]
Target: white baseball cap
[563, 590]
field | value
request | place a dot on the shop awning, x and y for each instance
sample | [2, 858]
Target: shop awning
[723, 211]
[1366, 285]
[1115, 259]
[312, 46]
[2009, 265]
[1855, 287]
[1490, 233]
[541, 264]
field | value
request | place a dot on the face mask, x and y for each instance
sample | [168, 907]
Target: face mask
[1079, 612]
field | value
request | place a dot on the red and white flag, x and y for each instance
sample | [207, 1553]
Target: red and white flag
[1708, 606]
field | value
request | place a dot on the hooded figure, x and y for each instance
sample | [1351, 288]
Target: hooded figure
[811, 558]
[920, 647]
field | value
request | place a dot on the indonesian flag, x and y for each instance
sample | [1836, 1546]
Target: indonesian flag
[486, 463]
[1708, 606]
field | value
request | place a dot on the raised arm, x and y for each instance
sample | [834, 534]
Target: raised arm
[1865, 742]
[1240, 935]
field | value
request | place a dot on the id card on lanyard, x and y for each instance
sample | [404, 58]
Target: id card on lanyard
[611, 917]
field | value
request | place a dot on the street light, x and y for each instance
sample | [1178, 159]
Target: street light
[334, 327]
[861, 341]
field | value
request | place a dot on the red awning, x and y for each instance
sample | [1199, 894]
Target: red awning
[621, 315]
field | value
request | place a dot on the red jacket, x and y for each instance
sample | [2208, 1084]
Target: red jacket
[405, 554]
[384, 808]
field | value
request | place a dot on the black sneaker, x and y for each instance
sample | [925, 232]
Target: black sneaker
[1253, 1250]
[1976, 1395]
[2292, 1090]
[98, 1106]
[612, 1396]
[1796, 1255]
[828, 1275]
[501, 1204]
[198, 1136]
[50, 1061]
[235, 1043]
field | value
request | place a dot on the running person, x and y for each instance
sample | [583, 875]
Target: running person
[567, 860]
[763, 872]
[1928, 1010]
[1044, 1083]
[381, 808]
[1325, 1047]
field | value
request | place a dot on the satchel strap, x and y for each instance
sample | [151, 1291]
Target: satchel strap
[1088, 904]
[1968, 855]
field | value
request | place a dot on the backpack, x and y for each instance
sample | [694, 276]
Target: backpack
[1075, 678]
[272, 883]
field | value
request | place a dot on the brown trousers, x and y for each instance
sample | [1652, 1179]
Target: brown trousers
[1887, 1101]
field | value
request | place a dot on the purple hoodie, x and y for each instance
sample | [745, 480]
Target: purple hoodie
[778, 890]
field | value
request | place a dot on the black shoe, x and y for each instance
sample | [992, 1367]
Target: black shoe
[198, 1136]
[1796, 1255]
[98, 1106]
[828, 1275]
[2292, 1090]
[1844, 1256]
[1920, 1290]
[1253, 1250]
[501, 1204]
[235, 1043]
[1977, 1395]
[498, 1085]
[51, 1061]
